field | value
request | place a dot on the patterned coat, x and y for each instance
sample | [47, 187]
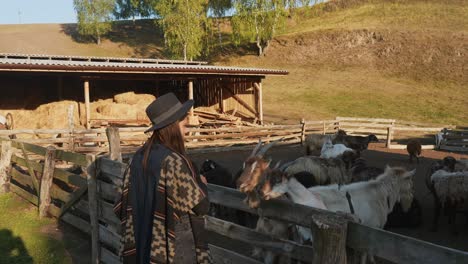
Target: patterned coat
[161, 210]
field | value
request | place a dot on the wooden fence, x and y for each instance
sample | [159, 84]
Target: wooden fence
[35, 173]
[226, 138]
[453, 140]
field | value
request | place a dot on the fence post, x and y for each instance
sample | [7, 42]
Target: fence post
[303, 131]
[71, 126]
[329, 233]
[46, 181]
[113, 136]
[389, 136]
[4, 165]
[324, 128]
[91, 175]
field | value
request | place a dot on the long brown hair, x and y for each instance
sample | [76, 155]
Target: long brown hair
[169, 136]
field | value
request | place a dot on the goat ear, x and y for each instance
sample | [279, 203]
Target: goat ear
[387, 167]
[277, 165]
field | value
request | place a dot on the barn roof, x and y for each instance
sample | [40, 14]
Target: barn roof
[53, 63]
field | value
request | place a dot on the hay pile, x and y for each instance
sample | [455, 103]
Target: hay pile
[54, 115]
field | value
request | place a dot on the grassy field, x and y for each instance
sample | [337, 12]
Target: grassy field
[24, 238]
[366, 58]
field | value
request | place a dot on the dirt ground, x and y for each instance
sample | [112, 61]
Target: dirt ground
[379, 156]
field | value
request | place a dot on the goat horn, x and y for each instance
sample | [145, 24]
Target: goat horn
[267, 147]
[259, 144]
[277, 165]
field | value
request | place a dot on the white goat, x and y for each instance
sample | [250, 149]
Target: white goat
[370, 201]
[332, 151]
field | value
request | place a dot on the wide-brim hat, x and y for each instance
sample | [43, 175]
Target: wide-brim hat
[166, 110]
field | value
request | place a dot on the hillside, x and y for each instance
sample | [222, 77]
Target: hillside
[374, 58]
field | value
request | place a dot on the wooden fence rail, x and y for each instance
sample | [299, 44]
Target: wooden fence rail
[223, 138]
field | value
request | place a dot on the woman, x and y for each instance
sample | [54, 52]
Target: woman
[163, 198]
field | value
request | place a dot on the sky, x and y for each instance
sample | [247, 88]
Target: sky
[36, 11]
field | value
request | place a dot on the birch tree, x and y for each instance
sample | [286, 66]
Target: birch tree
[258, 20]
[94, 17]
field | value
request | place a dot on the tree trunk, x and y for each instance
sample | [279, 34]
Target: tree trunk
[259, 46]
[220, 37]
[185, 52]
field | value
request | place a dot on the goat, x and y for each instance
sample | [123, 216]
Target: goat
[414, 149]
[370, 201]
[314, 142]
[360, 171]
[332, 151]
[357, 143]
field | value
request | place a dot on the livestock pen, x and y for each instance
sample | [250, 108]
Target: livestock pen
[84, 200]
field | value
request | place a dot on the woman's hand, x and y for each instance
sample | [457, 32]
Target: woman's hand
[203, 179]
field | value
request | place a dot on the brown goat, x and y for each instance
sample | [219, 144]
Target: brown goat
[414, 149]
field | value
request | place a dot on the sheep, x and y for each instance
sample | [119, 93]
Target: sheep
[325, 171]
[414, 149]
[332, 151]
[450, 190]
[314, 142]
[370, 201]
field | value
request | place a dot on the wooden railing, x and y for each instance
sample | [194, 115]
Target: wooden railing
[454, 140]
[101, 180]
[226, 138]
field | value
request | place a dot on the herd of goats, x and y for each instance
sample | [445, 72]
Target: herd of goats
[333, 176]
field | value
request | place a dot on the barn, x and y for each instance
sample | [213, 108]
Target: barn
[28, 81]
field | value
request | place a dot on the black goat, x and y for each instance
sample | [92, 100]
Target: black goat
[217, 174]
[357, 143]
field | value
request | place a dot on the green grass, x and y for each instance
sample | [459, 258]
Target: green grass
[409, 15]
[22, 236]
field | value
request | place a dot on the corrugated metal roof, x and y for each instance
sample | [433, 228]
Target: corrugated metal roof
[52, 63]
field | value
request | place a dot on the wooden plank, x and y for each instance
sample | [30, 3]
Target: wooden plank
[76, 158]
[451, 148]
[364, 125]
[111, 167]
[61, 174]
[46, 181]
[108, 257]
[107, 191]
[31, 148]
[57, 193]
[30, 169]
[239, 100]
[401, 249]
[5, 161]
[91, 172]
[24, 194]
[396, 146]
[221, 255]
[114, 143]
[419, 129]
[246, 235]
[21, 178]
[109, 238]
[339, 118]
[77, 222]
[106, 212]
[364, 130]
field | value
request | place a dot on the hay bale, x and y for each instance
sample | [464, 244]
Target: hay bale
[132, 99]
[120, 111]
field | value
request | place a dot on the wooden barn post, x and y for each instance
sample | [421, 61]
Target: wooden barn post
[190, 94]
[46, 181]
[114, 143]
[87, 104]
[259, 100]
[4, 165]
